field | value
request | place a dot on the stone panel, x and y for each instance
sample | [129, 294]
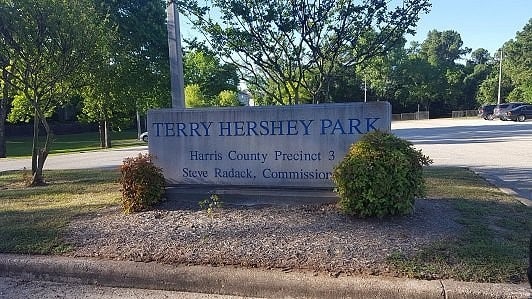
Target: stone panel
[260, 146]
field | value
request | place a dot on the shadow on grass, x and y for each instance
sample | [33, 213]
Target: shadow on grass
[32, 219]
[38, 231]
[494, 242]
[492, 248]
[59, 182]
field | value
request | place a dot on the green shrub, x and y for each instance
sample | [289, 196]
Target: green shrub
[211, 204]
[380, 175]
[142, 184]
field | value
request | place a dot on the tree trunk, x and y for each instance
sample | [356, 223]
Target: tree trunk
[36, 172]
[139, 128]
[102, 133]
[107, 134]
[37, 178]
[39, 153]
[3, 113]
[3, 150]
[35, 144]
[146, 123]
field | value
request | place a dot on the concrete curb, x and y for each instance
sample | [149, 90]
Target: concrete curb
[505, 187]
[241, 281]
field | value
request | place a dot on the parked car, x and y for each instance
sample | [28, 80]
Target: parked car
[144, 137]
[500, 110]
[520, 113]
[486, 112]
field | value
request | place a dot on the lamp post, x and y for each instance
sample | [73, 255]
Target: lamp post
[500, 79]
[177, 83]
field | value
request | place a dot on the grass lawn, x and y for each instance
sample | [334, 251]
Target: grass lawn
[31, 219]
[494, 244]
[21, 146]
[492, 248]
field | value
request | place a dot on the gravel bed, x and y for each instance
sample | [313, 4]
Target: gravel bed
[316, 238]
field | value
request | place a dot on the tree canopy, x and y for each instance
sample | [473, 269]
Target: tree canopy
[285, 47]
[205, 69]
[135, 76]
[518, 64]
[46, 46]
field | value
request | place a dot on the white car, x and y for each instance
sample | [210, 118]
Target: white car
[144, 137]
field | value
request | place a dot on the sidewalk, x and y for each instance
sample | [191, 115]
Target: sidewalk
[243, 281]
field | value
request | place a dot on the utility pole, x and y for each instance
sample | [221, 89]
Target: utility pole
[500, 79]
[176, 56]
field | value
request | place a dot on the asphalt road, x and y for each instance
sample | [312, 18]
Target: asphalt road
[110, 158]
[501, 151]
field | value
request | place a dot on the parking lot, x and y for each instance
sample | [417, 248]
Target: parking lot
[501, 151]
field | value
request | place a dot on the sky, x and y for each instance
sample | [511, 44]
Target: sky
[484, 24]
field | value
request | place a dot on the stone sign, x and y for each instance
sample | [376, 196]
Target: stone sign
[260, 146]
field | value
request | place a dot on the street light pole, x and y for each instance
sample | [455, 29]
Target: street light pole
[175, 51]
[500, 79]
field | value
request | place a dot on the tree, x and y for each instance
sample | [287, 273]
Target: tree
[420, 84]
[104, 102]
[135, 75]
[297, 45]
[228, 98]
[194, 98]
[473, 81]
[488, 88]
[480, 56]
[5, 102]
[204, 69]
[516, 83]
[477, 70]
[517, 63]
[380, 74]
[48, 43]
[443, 48]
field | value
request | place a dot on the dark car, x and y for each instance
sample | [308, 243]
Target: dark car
[520, 113]
[500, 110]
[486, 112]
